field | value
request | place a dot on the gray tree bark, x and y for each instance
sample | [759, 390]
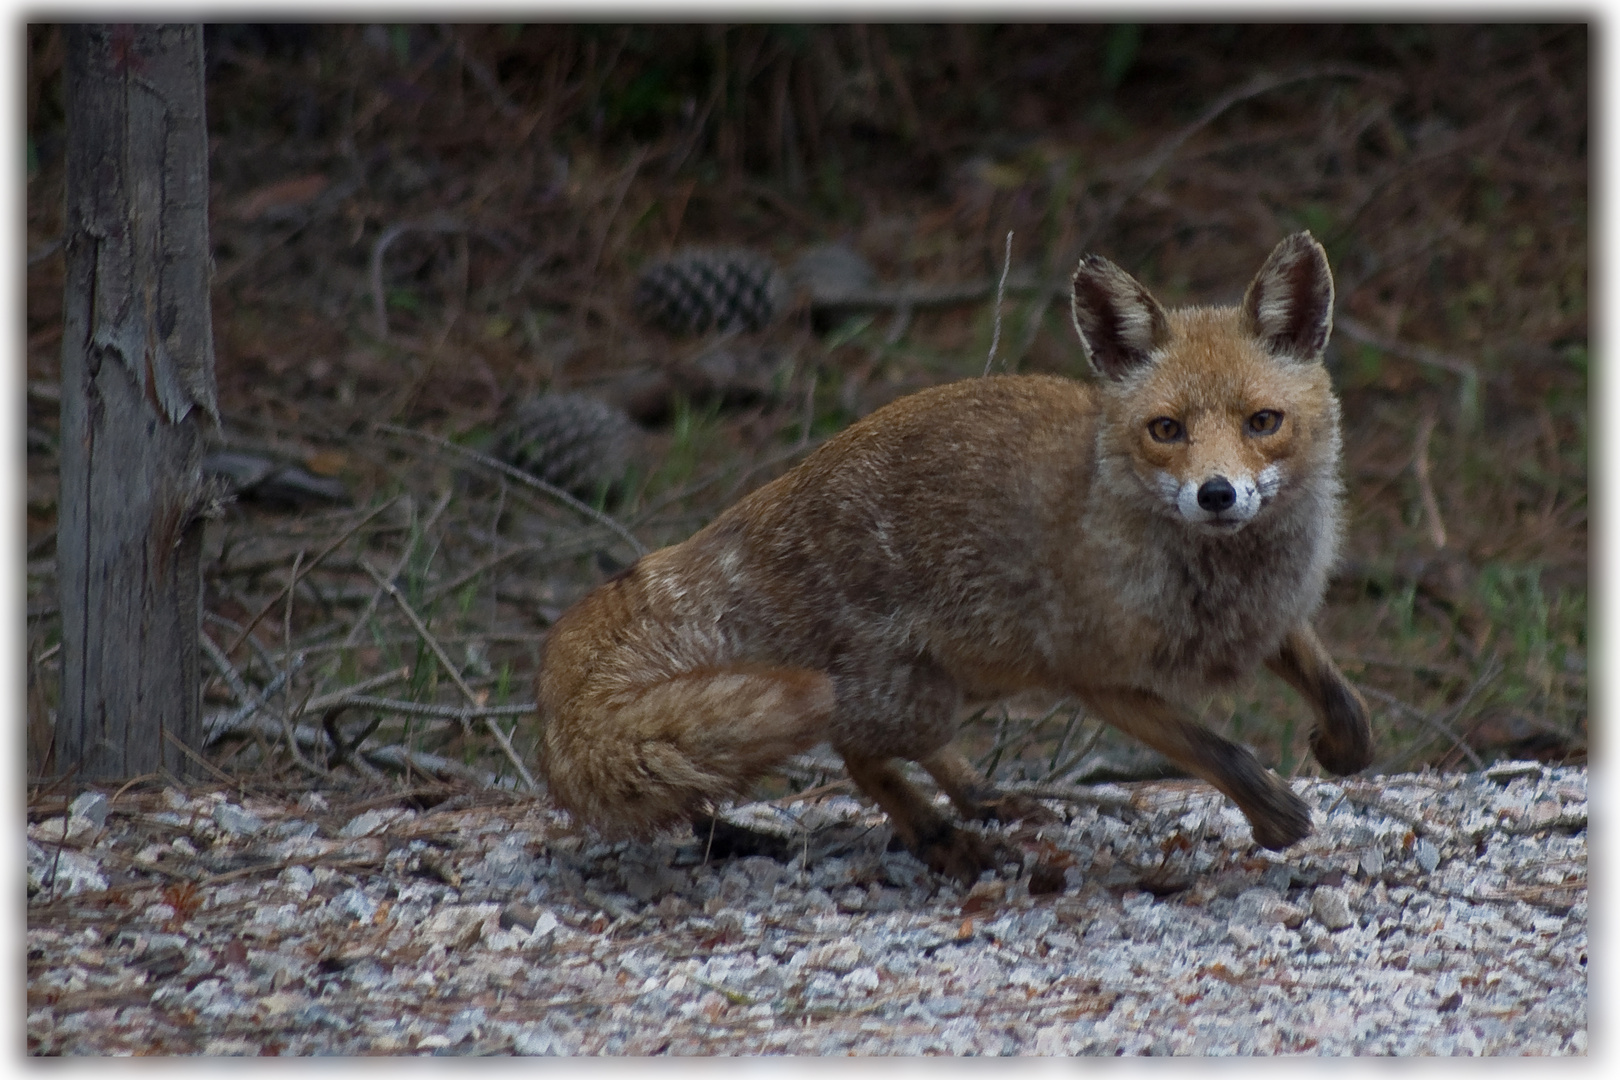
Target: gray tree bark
[137, 389]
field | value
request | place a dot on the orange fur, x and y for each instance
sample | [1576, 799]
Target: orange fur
[981, 538]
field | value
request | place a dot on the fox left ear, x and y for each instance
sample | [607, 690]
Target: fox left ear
[1289, 305]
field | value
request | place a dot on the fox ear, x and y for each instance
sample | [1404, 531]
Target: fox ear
[1119, 322]
[1289, 305]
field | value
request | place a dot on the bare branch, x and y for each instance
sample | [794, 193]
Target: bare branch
[523, 478]
[1001, 292]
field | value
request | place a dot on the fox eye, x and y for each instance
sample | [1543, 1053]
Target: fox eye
[1164, 429]
[1265, 422]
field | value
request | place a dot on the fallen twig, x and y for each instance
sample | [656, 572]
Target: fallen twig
[350, 693]
[195, 757]
[1001, 292]
[1105, 800]
[214, 730]
[436, 712]
[288, 713]
[482, 75]
[553, 553]
[1420, 467]
[1150, 166]
[293, 581]
[917, 294]
[1435, 722]
[421, 629]
[450, 668]
[511, 753]
[353, 636]
[220, 661]
[400, 758]
[390, 756]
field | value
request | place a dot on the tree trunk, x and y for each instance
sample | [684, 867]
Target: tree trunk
[137, 387]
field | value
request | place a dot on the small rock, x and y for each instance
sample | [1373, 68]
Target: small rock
[903, 871]
[62, 872]
[985, 895]
[1242, 935]
[237, 821]
[1262, 907]
[459, 926]
[355, 904]
[92, 806]
[535, 1041]
[840, 957]
[466, 1022]
[1427, 855]
[1278, 877]
[644, 882]
[372, 821]
[1542, 814]
[516, 914]
[1332, 908]
[1510, 770]
[297, 879]
[58, 829]
[862, 978]
[231, 1048]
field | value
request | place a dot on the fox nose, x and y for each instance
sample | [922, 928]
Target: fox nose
[1217, 495]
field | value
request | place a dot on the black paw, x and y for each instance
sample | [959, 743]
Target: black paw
[1350, 753]
[1283, 823]
[1343, 743]
[962, 855]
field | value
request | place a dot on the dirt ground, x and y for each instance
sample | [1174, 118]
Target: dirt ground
[418, 230]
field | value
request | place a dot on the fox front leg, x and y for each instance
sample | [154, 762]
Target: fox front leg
[1342, 741]
[1278, 817]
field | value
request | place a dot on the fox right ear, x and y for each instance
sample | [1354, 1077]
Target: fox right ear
[1119, 322]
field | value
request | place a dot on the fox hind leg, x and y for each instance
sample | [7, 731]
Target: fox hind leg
[919, 825]
[976, 798]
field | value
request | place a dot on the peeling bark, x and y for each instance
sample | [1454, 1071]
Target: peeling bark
[137, 386]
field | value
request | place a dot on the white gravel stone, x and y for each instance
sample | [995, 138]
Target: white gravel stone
[1332, 907]
[237, 821]
[355, 949]
[373, 821]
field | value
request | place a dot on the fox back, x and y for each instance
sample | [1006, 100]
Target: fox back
[1133, 543]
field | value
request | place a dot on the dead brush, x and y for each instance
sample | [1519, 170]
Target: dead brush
[458, 228]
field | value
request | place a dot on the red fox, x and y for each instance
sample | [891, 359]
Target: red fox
[1133, 544]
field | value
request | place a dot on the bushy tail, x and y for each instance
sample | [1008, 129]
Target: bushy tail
[636, 760]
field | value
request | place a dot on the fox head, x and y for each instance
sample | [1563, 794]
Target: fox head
[1214, 413]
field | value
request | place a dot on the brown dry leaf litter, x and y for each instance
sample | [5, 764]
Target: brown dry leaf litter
[1430, 914]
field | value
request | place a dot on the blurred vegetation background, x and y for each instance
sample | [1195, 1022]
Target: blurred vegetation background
[429, 241]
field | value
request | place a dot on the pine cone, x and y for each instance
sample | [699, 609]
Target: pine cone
[697, 290]
[572, 441]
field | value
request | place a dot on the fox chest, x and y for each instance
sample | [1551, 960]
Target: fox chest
[1207, 615]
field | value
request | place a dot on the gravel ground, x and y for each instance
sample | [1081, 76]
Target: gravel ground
[1429, 914]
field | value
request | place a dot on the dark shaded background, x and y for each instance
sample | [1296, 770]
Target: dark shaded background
[536, 168]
